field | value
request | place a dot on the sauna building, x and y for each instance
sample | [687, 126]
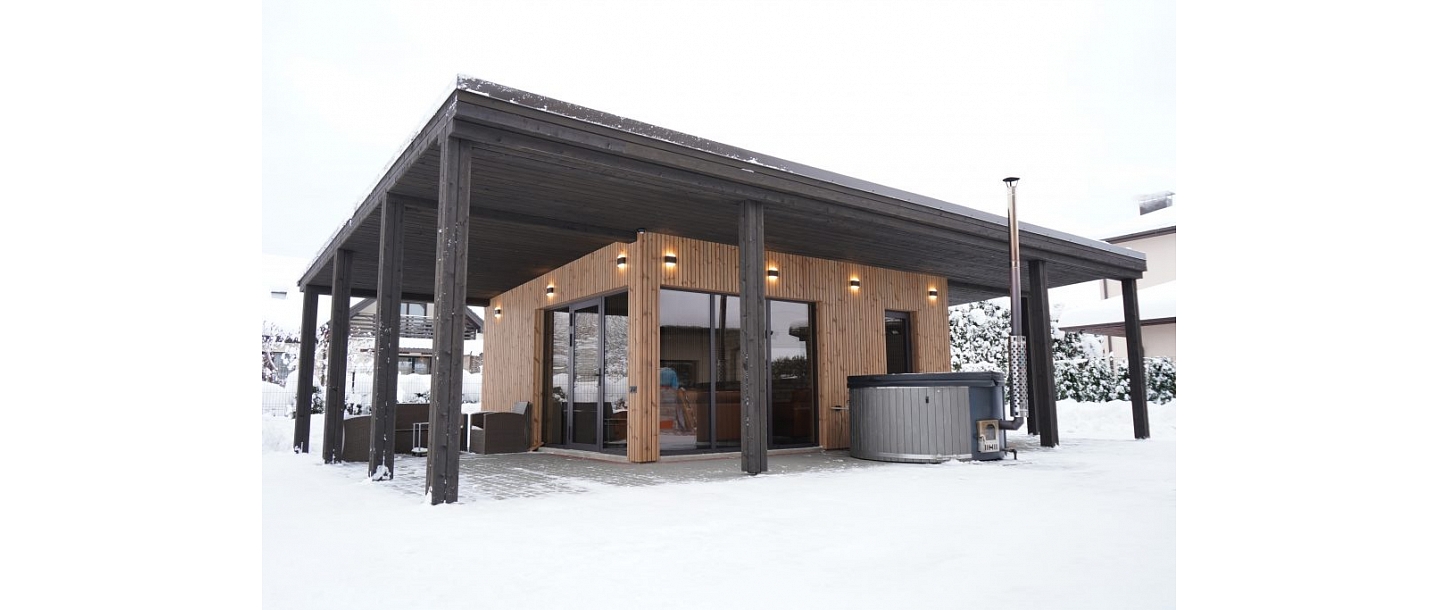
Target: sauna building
[650, 293]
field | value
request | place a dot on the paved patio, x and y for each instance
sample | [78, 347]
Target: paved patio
[528, 475]
[525, 475]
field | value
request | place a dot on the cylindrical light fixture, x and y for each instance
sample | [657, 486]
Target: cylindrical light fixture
[669, 260]
[497, 312]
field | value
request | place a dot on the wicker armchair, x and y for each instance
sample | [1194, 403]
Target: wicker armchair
[502, 431]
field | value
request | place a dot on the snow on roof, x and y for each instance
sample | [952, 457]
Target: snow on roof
[1144, 223]
[1156, 303]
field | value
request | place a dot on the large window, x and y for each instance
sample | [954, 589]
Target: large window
[792, 377]
[700, 375]
[419, 365]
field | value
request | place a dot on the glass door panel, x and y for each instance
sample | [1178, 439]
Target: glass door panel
[727, 371]
[685, 371]
[792, 378]
[585, 399]
[616, 384]
[897, 343]
[557, 396]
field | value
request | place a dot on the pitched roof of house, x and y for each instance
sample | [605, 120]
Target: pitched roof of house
[1154, 223]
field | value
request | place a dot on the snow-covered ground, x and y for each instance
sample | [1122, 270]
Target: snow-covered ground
[1090, 524]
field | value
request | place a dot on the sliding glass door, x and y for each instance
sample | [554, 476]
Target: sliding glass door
[700, 375]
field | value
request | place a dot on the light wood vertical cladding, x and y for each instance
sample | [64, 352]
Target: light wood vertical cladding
[515, 350]
[850, 324]
[645, 276]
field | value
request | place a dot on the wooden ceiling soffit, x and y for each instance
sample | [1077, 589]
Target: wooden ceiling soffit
[736, 174]
[654, 172]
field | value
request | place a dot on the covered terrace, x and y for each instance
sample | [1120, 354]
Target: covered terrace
[502, 186]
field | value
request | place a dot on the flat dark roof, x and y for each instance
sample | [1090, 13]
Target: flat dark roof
[552, 181]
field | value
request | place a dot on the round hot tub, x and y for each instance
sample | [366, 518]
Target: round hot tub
[925, 417]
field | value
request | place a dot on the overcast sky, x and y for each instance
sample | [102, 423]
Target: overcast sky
[942, 99]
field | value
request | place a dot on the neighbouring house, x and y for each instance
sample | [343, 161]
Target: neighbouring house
[417, 334]
[281, 316]
[654, 294]
[1152, 232]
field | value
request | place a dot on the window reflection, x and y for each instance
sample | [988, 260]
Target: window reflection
[700, 375]
[684, 374]
[617, 365]
[792, 395]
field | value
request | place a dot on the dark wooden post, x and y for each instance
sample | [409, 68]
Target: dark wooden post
[1042, 358]
[339, 341]
[754, 397]
[452, 247]
[304, 390]
[387, 343]
[1136, 356]
[1030, 426]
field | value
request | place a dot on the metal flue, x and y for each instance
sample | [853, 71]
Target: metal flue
[1019, 399]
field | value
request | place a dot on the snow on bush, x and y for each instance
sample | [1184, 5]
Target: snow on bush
[413, 388]
[979, 335]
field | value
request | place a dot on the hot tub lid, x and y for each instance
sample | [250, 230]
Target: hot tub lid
[913, 380]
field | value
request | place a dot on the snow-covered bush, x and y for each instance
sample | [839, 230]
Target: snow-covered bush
[978, 336]
[1084, 372]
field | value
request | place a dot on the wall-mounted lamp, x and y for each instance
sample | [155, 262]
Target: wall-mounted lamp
[549, 291]
[497, 312]
[620, 261]
[669, 260]
[934, 293]
[773, 274]
[855, 284]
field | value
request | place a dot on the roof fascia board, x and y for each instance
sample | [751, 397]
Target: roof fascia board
[1141, 235]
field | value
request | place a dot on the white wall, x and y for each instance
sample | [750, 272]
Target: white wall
[1159, 263]
[1159, 340]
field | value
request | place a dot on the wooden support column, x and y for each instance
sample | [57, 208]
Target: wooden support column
[452, 248]
[1041, 358]
[306, 387]
[339, 341]
[387, 343]
[1138, 408]
[1030, 426]
[754, 394]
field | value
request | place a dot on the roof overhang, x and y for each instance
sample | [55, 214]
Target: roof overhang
[552, 181]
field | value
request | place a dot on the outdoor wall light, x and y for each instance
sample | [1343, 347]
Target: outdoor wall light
[855, 284]
[669, 260]
[934, 293]
[773, 274]
[497, 312]
[549, 291]
[620, 261]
